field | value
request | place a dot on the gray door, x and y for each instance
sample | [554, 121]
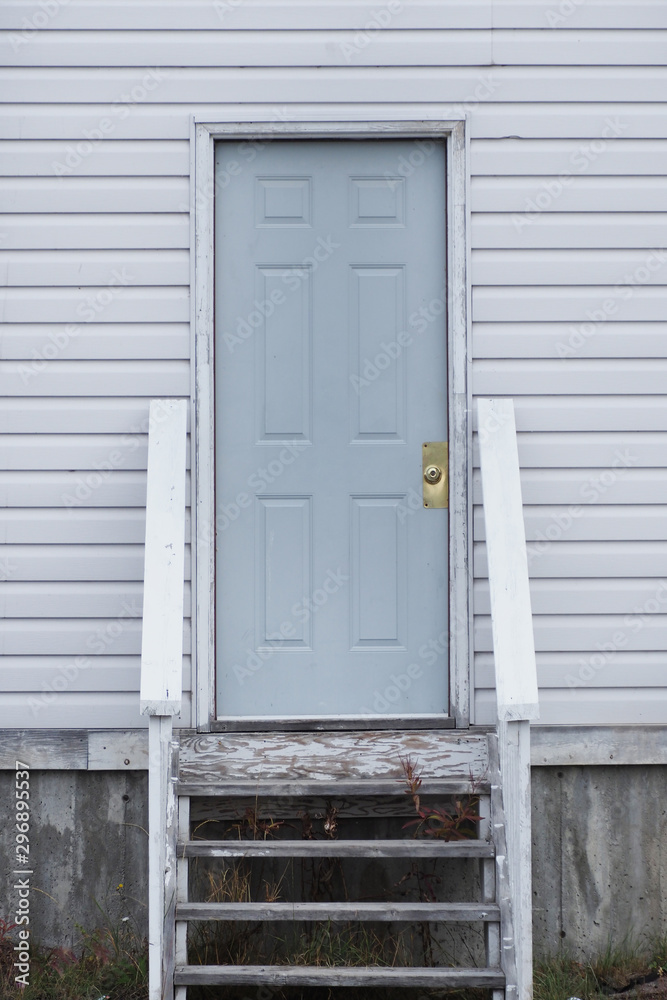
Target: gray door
[331, 373]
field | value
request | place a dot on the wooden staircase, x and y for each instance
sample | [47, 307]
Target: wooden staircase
[350, 767]
[225, 773]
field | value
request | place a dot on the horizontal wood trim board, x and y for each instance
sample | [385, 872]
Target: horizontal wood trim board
[277, 975]
[109, 749]
[408, 848]
[330, 911]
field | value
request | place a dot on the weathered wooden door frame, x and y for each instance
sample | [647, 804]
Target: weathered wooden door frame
[203, 137]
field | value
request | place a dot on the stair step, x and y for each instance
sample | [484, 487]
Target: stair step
[338, 789]
[426, 848]
[429, 912]
[289, 975]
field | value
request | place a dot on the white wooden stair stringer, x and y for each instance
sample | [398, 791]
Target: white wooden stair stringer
[235, 765]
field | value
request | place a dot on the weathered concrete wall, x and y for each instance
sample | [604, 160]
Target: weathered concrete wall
[88, 852]
[599, 854]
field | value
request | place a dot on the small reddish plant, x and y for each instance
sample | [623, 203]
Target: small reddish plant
[436, 821]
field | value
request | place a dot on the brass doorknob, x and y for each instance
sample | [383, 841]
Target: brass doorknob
[432, 474]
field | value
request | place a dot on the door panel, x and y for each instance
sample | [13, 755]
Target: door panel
[331, 372]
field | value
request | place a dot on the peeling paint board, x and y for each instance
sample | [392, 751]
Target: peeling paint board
[43, 750]
[124, 750]
[330, 756]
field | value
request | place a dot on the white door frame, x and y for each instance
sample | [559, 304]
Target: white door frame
[204, 135]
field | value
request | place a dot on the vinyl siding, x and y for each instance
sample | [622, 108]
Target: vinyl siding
[590, 405]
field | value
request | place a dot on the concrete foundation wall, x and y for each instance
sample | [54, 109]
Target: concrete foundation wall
[599, 854]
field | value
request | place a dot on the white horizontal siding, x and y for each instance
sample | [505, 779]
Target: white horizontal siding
[63, 708]
[433, 87]
[85, 268]
[201, 14]
[99, 599]
[407, 47]
[568, 200]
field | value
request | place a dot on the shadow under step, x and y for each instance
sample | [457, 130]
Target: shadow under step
[404, 848]
[394, 912]
[326, 789]
[286, 975]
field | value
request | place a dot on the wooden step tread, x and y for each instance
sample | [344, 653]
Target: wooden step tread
[406, 848]
[338, 789]
[289, 975]
[430, 912]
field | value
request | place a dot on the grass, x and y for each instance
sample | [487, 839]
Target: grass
[109, 962]
[620, 967]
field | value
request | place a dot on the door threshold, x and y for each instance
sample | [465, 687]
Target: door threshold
[328, 723]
